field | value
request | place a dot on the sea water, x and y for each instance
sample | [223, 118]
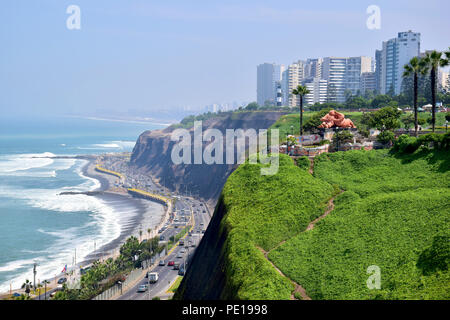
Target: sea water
[37, 225]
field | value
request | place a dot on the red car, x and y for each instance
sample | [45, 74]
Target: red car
[171, 263]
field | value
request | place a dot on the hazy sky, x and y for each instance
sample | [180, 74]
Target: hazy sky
[149, 55]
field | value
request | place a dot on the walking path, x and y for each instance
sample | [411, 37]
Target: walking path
[298, 288]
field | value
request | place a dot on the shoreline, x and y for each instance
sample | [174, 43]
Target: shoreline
[111, 193]
[147, 214]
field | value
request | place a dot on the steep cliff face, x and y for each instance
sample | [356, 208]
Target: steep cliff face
[152, 153]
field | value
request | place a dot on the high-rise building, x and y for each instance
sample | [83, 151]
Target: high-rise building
[379, 80]
[368, 82]
[334, 70]
[355, 67]
[268, 75]
[391, 59]
[443, 80]
[318, 90]
[292, 77]
[313, 68]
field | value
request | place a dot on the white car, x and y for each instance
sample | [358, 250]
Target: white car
[142, 288]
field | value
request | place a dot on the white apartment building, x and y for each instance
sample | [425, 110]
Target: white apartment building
[368, 82]
[391, 59]
[268, 75]
[356, 66]
[334, 70]
[313, 68]
[292, 77]
[443, 80]
[318, 91]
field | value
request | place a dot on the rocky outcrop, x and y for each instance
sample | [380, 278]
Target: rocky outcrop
[152, 154]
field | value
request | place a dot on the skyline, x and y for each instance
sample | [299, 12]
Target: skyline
[145, 56]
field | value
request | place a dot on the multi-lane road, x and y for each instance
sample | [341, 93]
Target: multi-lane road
[184, 208]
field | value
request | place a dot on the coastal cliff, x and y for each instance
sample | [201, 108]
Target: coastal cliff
[152, 154]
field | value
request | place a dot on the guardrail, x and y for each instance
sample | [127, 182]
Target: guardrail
[146, 194]
[113, 173]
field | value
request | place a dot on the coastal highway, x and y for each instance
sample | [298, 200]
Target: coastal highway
[166, 274]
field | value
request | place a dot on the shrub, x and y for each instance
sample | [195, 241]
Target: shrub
[386, 137]
[405, 144]
[303, 162]
[436, 257]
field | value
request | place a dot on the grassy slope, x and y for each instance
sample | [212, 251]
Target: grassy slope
[389, 214]
[263, 211]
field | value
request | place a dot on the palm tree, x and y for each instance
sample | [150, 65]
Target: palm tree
[414, 67]
[27, 285]
[149, 230]
[433, 60]
[301, 91]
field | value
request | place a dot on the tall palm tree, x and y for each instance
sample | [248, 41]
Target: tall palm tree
[414, 67]
[27, 286]
[301, 91]
[432, 61]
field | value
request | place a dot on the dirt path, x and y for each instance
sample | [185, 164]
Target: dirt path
[330, 208]
[311, 165]
[299, 288]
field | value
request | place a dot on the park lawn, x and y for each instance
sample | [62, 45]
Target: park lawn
[285, 122]
[392, 212]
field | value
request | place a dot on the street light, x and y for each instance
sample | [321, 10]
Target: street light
[45, 289]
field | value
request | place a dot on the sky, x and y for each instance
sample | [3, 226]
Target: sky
[155, 57]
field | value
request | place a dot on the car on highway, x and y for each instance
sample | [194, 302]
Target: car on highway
[203, 231]
[62, 280]
[171, 263]
[179, 255]
[142, 288]
[176, 266]
[162, 262]
[162, 238]
[181, 271]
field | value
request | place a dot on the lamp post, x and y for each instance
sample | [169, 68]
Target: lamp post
[34, 275]
[45, 289]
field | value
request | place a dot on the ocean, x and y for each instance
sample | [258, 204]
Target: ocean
[37, 225]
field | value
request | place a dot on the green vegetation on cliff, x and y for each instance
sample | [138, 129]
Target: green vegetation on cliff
[262, 211]
[394, 213]
[390, 209]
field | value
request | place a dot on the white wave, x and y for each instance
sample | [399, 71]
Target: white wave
[22, 162]
[16, 265]
[101, 146]
[125, 144]
[66, 241]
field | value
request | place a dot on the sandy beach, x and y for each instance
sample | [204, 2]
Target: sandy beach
[134, 214]
[149, 213]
